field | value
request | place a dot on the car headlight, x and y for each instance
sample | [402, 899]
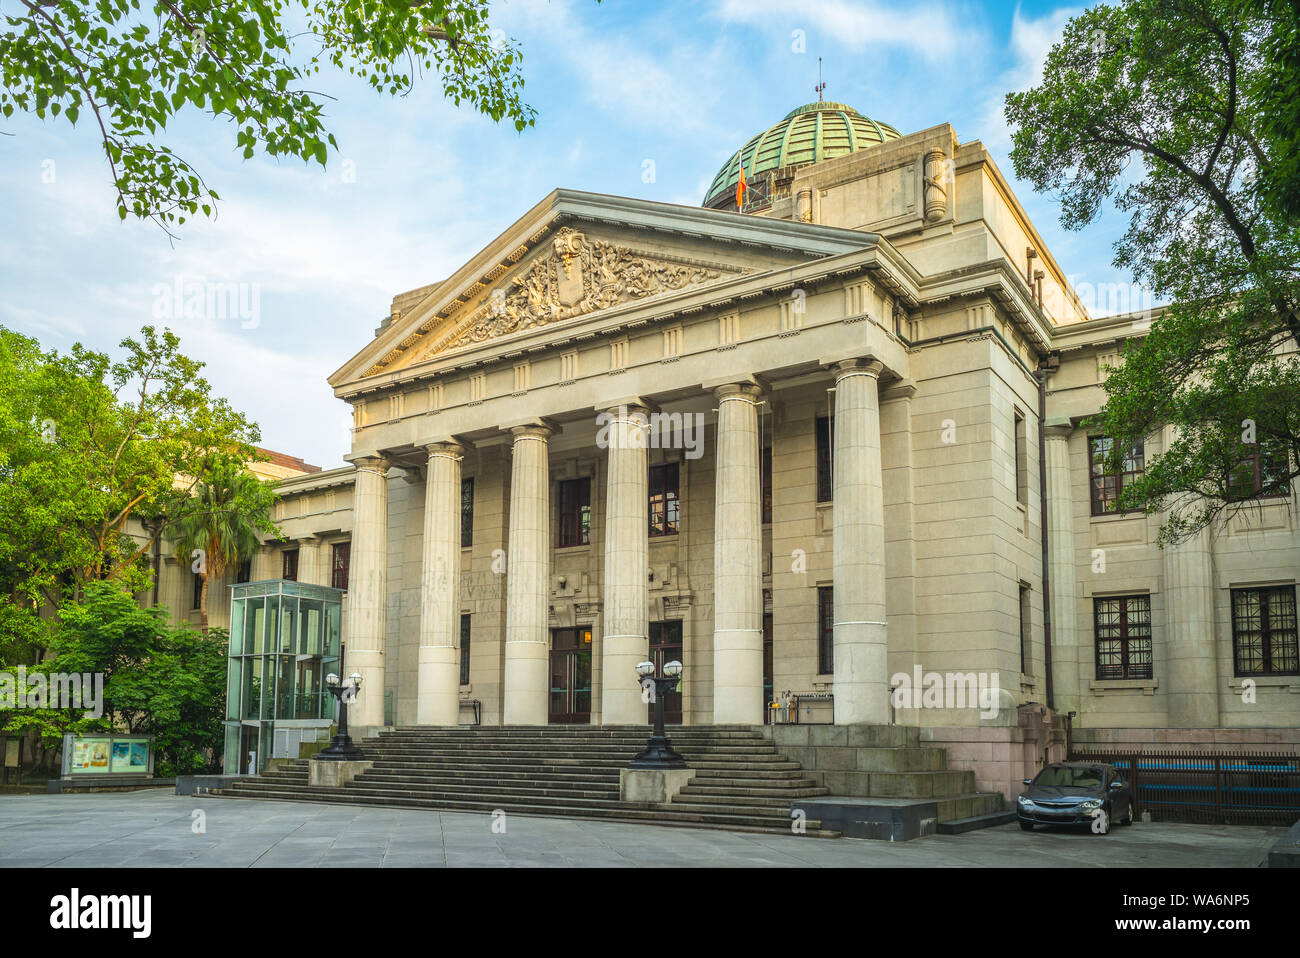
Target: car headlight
[1091, 803]
[1024, 801]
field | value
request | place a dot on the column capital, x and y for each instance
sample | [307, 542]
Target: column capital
[866, 365]
[1058, 427]
[531, 431]
[632, 404]
[738, 390]
[902, 389]
[442, 448]
[371, 461]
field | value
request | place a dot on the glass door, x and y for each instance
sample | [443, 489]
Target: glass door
[570, 698]
[666, 646]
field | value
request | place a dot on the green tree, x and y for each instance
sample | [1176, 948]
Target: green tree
[98, 460]
[1154, 106]
[129, 68]
[231, 508]
[161, 681]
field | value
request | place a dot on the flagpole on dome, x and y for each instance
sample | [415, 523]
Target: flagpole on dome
[740, 181]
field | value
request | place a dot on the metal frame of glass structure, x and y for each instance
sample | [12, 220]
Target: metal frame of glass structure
[284, 640]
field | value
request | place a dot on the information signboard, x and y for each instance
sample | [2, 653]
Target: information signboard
[107, 755]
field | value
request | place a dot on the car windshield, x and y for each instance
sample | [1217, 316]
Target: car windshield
[1068, 776]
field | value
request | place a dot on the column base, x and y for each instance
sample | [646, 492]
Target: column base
[438, 687]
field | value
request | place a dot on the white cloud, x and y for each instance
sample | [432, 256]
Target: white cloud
[929, 30]
[1031, 40]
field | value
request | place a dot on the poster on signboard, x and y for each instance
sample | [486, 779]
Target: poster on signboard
[121, 757]
[139, 756]
[99, 756]
[80, 755]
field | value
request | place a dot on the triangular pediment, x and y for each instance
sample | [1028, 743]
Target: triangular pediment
[578, 255]
[577, 274]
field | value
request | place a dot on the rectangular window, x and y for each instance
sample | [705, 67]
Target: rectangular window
[198, 591]
[1026, 619]
[765, 467]
[575, 512]
[464, 648]
[824, 453]
[1261, 474]
[289, 565]
[1122, 633]
[245, 573]
[466, 513]
[1264, 631]
[339, 557]
[1022, 460]
[665, 506]
[1106, 486]
[825, 630]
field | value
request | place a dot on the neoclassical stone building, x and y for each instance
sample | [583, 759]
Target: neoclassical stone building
[799, 447]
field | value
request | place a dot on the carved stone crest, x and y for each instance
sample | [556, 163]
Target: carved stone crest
[579, 276]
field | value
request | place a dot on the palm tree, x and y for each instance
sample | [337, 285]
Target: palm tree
[221, 523]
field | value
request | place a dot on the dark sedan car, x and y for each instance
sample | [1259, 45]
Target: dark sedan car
[1076, 793]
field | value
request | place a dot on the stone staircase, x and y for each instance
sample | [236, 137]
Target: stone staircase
[742, 783]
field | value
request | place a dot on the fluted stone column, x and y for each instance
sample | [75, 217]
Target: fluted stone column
[861, 666]
[438, 683]
[1066, 677]
[737, 561]
[367, 590]
[528, 571]
[626, 638]
[1193, 694]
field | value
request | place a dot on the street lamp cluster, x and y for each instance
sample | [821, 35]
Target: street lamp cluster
[658, 752]
[341, 748]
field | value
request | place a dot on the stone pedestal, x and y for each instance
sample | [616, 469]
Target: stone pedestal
[737, 561]
[438, 683]
[625, 640]
[652, 785]
[528, 572]
[368, 590]
[334, 774]
[861, 667]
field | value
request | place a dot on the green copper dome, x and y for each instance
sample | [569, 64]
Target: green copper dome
[813, 132]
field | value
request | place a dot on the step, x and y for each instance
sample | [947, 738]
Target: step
[621, 811]
[960, 825]
[631, 818]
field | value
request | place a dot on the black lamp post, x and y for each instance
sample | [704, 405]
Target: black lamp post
[342, 749]
[658, 752]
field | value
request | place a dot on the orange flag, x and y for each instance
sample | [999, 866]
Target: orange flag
[740, 183]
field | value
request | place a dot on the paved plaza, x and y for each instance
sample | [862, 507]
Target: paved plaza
[157, 828]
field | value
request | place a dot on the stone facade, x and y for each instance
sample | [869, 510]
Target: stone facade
[898, 292]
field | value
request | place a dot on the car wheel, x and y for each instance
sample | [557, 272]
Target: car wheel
[1128, 816]
[1026, 826]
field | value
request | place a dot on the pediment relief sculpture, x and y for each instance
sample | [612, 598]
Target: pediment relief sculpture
[579, 276]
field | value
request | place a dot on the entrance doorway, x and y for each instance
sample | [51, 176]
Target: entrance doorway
[666, 646]
[570, 699]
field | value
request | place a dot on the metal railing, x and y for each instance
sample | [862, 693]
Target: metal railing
[1222, 788]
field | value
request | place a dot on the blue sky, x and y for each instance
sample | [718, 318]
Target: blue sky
[419, 186]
